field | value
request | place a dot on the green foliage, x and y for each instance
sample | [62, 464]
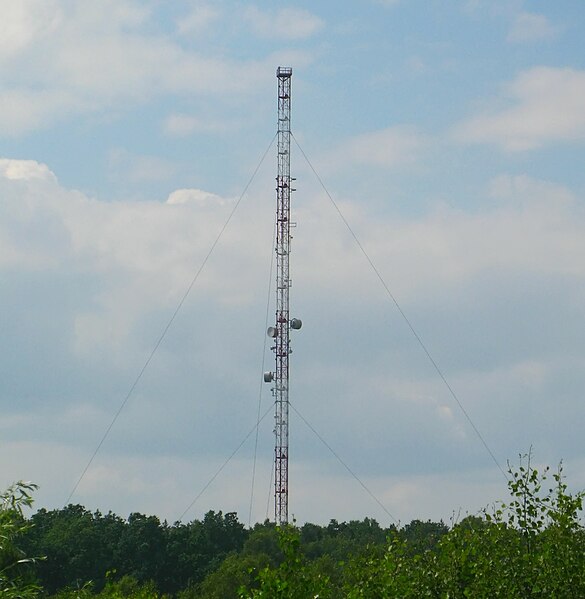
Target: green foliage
[532, 545]
[16, 579]
[422, 536]
[397, 573]
[126, 587]
[82, 546]
[294, 578]
[235, 572]
[263, 541]
[195, 550]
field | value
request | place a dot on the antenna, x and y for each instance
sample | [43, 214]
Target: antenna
[280, 332]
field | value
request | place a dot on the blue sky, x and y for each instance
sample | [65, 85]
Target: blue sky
[450, 134]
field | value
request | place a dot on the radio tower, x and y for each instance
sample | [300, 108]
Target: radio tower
[283, 325]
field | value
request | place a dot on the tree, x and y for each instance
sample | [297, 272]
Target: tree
[196, 549]
[421, 536]
[532, 546]
[80, 546]
[16, 578]
[236, 571]
[294, 578]
[142, 548]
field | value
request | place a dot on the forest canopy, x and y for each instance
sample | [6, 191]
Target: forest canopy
[531, 545]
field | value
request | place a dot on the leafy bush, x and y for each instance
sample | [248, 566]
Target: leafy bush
[16, 578]
[532, 546]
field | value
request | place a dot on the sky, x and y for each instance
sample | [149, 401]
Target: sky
[450, 136]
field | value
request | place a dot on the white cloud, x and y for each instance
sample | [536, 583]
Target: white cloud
[198, 196]
[531, 193]
[120, 15]
[99, 56]
[25, 226]
[534, 231]
[285, 23]
[182, 125]
[23, 110]
[393, 147]
[25, 170]
[530, 27]
[113, 272]
[159, 242]
[124, 165]
[198, 21]
[24, 22]
[546, 106]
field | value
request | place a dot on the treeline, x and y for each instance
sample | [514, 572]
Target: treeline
[533, 545]
[196, 558]
[82, 546]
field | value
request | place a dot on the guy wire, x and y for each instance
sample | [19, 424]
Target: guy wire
[262, 382]
[403, 314]
[168, 325]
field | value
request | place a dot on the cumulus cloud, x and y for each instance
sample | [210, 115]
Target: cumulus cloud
[184, 196]
[153, 246]
[530, 27]
[198, 21]
[544, 106]
[25, 170]
[25, 21]
[182, 125]
[23, 110]
[89, 285]
[60, 59]
[285, 23]
[129, 62]
[124, 165]
[522, 234]
[393, 147]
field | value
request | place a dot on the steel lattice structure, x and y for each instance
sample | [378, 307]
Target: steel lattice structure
[282, 349]
[280, 332]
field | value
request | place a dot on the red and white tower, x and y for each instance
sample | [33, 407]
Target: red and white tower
[283, 325]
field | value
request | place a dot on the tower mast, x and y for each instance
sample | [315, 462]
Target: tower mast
[283, 325]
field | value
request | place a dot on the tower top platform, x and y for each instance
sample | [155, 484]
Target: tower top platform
[284, 72]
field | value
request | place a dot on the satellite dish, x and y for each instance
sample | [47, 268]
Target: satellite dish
[296, 324]
[268, 377]
[272, 332]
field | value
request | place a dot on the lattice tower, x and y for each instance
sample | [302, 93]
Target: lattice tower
[280, 332]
